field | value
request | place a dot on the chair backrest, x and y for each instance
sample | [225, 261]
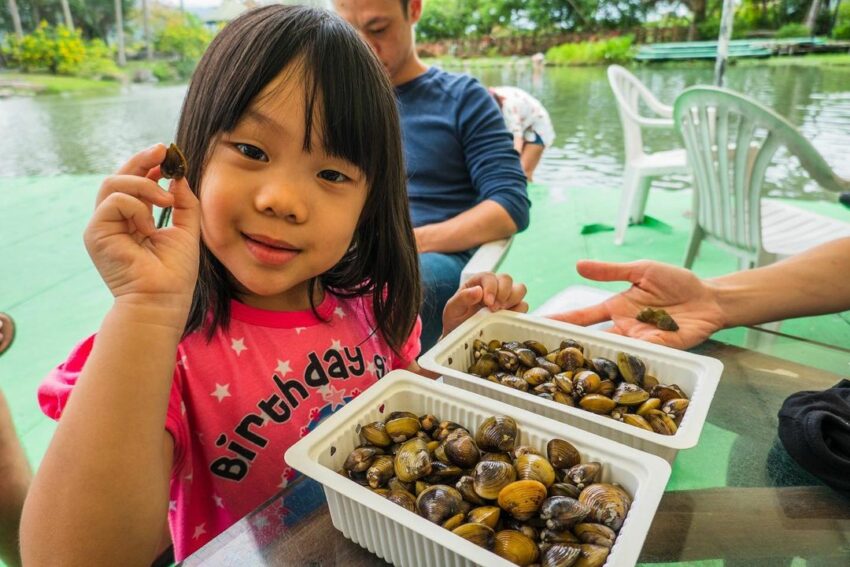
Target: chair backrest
[628, 91]
[730, 140]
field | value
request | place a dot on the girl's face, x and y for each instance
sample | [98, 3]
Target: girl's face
[273, 214]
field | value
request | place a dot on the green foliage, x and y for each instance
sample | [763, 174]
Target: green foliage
[94, 18]
[185, 38]
[842, 21]
[793, 30]
[614, 50]
[710, 28]
[99, 62]
[442, 19]
[57, 50]
[61, 51]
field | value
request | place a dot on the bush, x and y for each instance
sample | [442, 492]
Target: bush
[61, 51]
[842, 21]
[614, 50]
[56, 50]
[710, 28]
[184, 38]
[792, 30]
[99, 62]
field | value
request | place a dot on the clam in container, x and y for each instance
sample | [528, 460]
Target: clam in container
[407, 539]
[696, 375]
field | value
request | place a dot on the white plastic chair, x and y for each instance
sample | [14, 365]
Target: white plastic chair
[640, 167]
[728, 208]
[486, 259]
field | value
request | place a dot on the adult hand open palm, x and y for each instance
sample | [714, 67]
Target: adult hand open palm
[682, 294]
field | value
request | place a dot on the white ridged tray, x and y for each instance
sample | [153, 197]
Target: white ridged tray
[406, 539]
[698, 376]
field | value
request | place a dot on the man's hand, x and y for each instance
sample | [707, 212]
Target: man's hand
[689, 300]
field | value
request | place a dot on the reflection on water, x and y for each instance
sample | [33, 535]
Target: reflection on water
[588, 151]
[92, 134]
[50, 135]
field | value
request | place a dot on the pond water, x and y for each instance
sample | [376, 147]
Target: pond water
[94, 134]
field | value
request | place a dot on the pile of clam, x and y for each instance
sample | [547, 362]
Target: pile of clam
[512, 500]
[621, 390]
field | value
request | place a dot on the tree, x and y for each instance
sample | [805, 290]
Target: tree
[698, 9]
[119, 32]
[16, 18]
[66, 11]
[146, 24]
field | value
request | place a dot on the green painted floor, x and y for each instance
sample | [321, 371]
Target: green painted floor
[49, 286]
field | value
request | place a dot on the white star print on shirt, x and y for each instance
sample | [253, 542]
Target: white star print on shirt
[371, 368]
[218, 501]
[238, 345]
[336, 345]
[199, 531]
[283, 368]
[334, 397]
[299, 329]
[172, 505]
[221, 391]
[339, 312]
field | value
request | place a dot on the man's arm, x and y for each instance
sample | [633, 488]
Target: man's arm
[496, 174]
[811, 283]
[482, 223]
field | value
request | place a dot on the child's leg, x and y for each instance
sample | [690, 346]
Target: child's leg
[15, 477]
[530, 157]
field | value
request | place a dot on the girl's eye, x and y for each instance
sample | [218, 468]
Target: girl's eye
[252, 152]
[333, 176]
[378, 31]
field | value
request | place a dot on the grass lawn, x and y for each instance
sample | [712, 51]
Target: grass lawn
[55, 84]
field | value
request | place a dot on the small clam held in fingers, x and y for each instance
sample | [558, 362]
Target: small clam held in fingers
[174, 165]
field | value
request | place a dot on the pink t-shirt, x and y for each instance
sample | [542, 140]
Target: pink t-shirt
[240, 401]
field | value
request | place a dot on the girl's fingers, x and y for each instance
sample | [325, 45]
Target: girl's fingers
[186, 212]
[118, 213]
[488, 284]
[521, 307]
[518, 292]
[141, 163]
[141, 188]
[504, 290]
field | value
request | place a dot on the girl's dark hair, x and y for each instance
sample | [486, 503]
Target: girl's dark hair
[346, 86]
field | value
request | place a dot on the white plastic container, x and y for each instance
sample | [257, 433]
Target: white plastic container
[406, 539]
[698, 376]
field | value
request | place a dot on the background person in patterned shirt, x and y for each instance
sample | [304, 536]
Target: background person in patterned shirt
[529, 124]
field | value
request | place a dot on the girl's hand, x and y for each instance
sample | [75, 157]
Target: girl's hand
[139, 263]
[494, 291]
[689, 300]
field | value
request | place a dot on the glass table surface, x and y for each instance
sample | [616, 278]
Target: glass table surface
[735, 499]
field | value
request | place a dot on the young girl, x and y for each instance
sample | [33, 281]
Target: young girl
[286, 285]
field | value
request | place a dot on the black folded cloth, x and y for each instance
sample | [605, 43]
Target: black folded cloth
[814, 428]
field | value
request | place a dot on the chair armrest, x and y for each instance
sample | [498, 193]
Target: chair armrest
[657, 106]
[486, 259]
[655, 122]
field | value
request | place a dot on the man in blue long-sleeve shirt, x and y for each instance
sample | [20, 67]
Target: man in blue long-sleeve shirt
[465, 181]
